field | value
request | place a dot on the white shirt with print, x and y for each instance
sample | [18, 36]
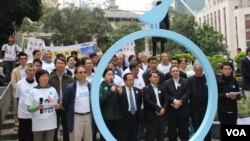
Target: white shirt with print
[22, 92]
[10, 52]
[47, 119]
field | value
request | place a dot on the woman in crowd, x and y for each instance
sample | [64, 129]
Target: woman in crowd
[110, 103]
[42, 102]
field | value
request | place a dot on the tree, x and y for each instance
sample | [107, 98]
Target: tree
[216, 61]
[124, 29]
[74, 24]
[12, 13]
[183, 24]
[209, 40]
[29, 26]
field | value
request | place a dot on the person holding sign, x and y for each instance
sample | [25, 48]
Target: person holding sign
[228, 92]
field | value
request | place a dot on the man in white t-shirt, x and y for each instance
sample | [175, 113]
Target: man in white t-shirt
[9, 52]
[76, 101]
[17, 74]
[22, 91]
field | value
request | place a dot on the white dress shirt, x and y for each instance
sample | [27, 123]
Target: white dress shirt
[164, 68]
[156, 95]
[128, 96]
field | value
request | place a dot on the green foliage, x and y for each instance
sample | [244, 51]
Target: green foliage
[209, 40]
[238, 57]
[216, 61]
[124, 29]
[12, 13]
[188, 56]
[243, 108]
[73, 24]
[29, 26]
[183, 24]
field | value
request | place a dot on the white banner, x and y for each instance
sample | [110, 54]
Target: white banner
[127, 50]
[83, 49]
[34, 44]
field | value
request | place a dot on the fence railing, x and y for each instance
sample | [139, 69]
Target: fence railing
[5, 101]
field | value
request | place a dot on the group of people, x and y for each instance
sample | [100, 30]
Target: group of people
[142, 96]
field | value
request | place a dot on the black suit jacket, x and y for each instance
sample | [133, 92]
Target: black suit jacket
[150, 102]
[124, 102]
[198, 93]
[181, 93]
[245, 69]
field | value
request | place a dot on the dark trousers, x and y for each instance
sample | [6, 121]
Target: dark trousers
[178, 123]
[62, 116]
[155, 47]
[25, 130]
[227, 118]
[114, 127]
[197, 117]
[95, 130]
[155, 129]
[130, 127]
[7, 69]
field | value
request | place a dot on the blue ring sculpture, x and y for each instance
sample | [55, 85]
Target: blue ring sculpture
[185, 42]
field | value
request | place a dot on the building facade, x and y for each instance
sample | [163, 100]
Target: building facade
[231, 18]
[194, 5]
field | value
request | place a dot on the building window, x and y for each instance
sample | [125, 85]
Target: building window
[207, 18]
[225, 23]
[215, 21]
[236, 30]
[211, 16]
[247, 17]
[219, 23]
[204, 19]
[247, 28]
[200, 21]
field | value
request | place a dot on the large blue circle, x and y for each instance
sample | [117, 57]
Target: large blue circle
[194, 49]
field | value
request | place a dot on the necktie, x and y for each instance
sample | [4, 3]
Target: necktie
[132, 104]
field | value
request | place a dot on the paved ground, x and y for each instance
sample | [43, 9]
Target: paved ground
[7, 132]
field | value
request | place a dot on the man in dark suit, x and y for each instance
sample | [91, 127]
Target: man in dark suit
[175, 62]
[155, 104]
[198, 98]
[177, 89]
[131, 100]
[152, 62]
[245, 69]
